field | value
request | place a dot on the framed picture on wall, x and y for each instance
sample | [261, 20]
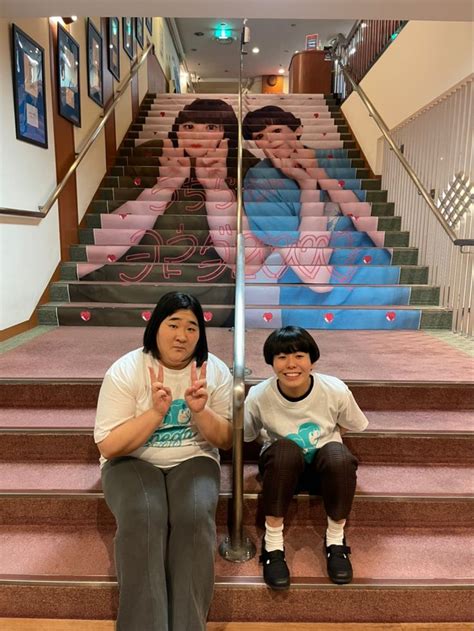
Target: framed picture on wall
[149, 25]
[69, 92]
[113, 49]
[29, 89]
[95, 73]
[128, 42]
[139, 31]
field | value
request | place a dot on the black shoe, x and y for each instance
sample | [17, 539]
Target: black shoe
[275, 570]
[338, 563]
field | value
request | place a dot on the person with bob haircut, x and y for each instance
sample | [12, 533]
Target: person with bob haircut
[163, 413]
[299, 415]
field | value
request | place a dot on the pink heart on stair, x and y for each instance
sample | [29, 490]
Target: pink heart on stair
[137, 181]
[341, 183]
[111, 258]
[268, 317]
[146, 315]
[367, 259]
[390, 316]
[208, 315]
[86, 316]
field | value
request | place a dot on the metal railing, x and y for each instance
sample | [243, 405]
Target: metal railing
[438, 143]
[364, 44]
[237, 547]
[46, 207]
[393, 146]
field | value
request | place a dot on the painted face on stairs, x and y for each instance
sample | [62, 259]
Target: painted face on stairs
[279, 141]
[199, 139]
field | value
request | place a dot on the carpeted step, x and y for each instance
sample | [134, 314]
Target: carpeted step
[313, 317]
[423, 452]
[58, 576]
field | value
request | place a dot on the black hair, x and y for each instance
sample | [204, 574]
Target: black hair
[290, 339]
[167, 305]
[206, 111]
[269, 115]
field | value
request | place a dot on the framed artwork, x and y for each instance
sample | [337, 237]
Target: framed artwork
[113, 49]
[149, 25]
[95, 72]
[68, 77]
[29, 89]
[128, 42]
[139, 31]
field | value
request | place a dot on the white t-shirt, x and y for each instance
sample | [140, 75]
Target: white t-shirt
[311, 422]
[126, 393]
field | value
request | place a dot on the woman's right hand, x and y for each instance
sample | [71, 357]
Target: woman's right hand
[160, 393]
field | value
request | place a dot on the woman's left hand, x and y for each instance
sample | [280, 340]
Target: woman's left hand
[196, 395]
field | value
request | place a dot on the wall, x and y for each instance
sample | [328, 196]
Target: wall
[426, 60]
[29, 248]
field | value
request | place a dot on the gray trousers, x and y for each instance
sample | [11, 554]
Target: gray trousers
[165, 541]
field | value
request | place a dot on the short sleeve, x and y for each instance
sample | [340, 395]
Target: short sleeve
[117, 403]
[350, 415]
[252, 422]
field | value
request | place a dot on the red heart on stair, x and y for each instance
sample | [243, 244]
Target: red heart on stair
[137, 181]
[111, 258]
[268, 317]
[162, 113]
[123, 216]
[330, 156]
[390, 316]
[208, 315]
[341, 183]
[86, 316]
[324, 133]
[316, 115]
[367, 259]
[146, 315]
[328, 317]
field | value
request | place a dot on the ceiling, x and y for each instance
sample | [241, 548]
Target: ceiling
[276, 39]
[451, 10]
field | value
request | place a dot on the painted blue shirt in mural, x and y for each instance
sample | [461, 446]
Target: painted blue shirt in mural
[175, 429]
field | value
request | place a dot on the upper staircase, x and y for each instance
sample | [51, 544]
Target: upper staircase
[331, 256]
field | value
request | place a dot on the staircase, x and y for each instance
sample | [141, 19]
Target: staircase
[337, 259]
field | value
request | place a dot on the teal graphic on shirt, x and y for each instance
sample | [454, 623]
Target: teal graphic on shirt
[307, 438]
[176, 427]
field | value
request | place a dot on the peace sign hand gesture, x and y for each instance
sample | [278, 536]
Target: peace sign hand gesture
[160, 393]
[196, 395]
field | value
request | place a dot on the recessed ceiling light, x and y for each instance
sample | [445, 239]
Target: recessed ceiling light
[281, 70]
[255, 50]
[199, 33]
[296, 51]
[292, 24]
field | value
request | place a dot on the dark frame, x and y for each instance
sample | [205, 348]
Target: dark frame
[113, 48]
[128, 39]
[139, 34]
[149, 25]
[29, 97]
[69, 88]
[95, 66]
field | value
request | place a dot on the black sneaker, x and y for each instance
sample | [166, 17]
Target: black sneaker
[275, 570]
[338, 563]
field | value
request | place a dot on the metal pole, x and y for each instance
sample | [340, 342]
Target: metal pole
[237, 547]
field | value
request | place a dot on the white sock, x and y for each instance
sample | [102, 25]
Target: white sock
[273, 538]
[335, 532]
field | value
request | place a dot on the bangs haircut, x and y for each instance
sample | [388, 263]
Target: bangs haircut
[167, 305]
[290, 339]
[208, 111]
[264, 117]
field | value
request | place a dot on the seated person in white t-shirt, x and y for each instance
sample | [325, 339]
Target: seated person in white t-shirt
[300, 415]
[163, 413]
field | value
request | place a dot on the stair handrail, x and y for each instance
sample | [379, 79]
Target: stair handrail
[373, 113]
[104, 117]
[237, 547]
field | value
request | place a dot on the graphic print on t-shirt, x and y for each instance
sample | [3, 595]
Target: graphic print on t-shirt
[176, 427]
[307, 438]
